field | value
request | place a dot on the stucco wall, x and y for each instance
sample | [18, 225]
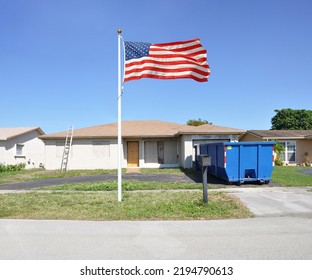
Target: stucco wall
[248, 137]
[84, 154]
[32, 151]
[303, 147]
[304, 151]
[186, 151]
[102, 153]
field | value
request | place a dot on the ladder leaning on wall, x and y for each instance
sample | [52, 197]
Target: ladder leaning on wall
[67, 147]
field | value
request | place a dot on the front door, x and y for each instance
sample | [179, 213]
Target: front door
[133, 153]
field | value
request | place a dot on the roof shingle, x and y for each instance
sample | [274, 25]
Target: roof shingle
[145, 128]
[278, 134]
[11, 132]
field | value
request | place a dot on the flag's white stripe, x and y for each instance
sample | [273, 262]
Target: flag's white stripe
[178, 46]
[163, 74]
[165, 59]
[174, 67]
[161, 51]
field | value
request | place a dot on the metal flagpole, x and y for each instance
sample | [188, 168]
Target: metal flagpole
[119, 119]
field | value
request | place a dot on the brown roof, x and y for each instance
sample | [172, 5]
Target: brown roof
[11, 132]
[281, 134]
[143, 129]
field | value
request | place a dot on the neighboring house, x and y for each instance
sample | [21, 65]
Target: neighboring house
[297, 143]
[145, 144]
[21, 145]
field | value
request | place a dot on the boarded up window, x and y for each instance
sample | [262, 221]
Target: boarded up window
[101, 149]
[160, 152]
[171, 152]
[150, 152]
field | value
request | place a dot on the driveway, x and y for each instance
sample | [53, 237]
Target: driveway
[276, 201]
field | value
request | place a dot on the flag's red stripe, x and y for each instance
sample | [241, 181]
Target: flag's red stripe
[187, 58]
[204, 79]
[198, 71]
[173, 54]
[177, 62]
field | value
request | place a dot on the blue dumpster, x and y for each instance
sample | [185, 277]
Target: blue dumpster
[240, 162]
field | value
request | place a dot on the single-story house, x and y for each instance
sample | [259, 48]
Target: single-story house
[21, 145]
[144, 144]
[297, 143]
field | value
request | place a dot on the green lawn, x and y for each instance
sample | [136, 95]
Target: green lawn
[39, 174]
[141, 200]
[127, 185]
[164, 205]
[288, 176]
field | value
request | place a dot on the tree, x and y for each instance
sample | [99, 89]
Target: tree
[290, 119]
[197, 122]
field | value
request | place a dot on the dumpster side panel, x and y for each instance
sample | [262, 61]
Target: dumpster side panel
[265, 162]
[221, 162]
[249, 162]
[212, 150]
[239, 162]
[232, 162]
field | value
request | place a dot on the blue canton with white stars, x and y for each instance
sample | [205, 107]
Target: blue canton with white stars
[136, 49]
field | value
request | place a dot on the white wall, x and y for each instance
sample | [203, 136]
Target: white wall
[32, 151]
[186, 151]
[102, 153]
[84, 154]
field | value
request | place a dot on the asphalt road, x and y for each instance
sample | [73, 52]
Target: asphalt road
[282, 229]
[280, 238]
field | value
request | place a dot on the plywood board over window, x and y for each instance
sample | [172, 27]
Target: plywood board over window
[100, 149]
[160, 152]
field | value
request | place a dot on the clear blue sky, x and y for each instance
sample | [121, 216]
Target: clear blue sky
[58, 61]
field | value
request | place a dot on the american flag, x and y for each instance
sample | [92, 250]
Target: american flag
[176, 60]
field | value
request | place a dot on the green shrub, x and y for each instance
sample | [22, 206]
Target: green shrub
[11, 167]
[279, 150]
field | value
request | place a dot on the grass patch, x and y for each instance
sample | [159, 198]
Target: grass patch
[135, 206]
[127, 185]
[288, 176]
[39, 174]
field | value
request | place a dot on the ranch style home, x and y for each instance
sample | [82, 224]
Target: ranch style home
[145, 144]
[297, 143]
[21, 145]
